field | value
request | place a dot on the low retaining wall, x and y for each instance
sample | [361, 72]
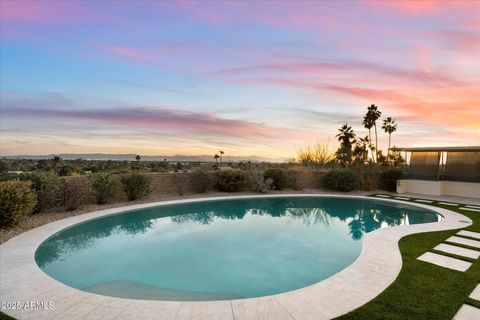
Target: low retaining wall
[439, 188]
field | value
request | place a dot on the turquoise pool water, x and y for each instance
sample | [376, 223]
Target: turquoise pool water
[222, 249]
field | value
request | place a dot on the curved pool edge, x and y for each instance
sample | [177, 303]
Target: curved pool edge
[378, 265]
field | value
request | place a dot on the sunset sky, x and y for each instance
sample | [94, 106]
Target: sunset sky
[250, 78]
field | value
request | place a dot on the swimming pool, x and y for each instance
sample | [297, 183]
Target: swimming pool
[219, 250]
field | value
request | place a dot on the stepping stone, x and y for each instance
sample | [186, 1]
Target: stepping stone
[470, 209]
[470, 234]
[448, 204]
[382, 195]
[459, 251]
[467, 312]
[466, 242]
[402, 198]
[475, 295]
[424, 201]
[444, 261]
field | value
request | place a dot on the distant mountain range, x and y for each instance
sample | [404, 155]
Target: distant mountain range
[181, 158]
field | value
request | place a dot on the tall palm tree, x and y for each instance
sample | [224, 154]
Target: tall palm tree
[389, 126]
[216, 156]
[368, 124]
[374, 114]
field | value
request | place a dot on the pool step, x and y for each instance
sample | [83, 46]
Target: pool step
[464, 241]
[470, 234]
[459, 251]
[444, 261]
[467, 312]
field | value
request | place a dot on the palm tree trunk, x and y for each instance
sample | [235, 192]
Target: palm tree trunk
[370, 142]
[376, 143]
[389, 141]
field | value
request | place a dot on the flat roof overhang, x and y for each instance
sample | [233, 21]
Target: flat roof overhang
[440, 149]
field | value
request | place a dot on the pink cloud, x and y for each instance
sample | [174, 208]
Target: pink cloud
[151, 55]
[416, 7]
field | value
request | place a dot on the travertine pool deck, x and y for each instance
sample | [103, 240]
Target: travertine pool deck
[379, 263]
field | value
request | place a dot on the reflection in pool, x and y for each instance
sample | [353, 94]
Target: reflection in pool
[217, 250]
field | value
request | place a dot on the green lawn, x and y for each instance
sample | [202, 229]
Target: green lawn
[423, 290]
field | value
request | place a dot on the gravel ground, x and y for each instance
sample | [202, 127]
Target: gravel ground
[42, 218]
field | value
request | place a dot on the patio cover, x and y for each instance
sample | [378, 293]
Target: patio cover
[462, 166]
[424, 165]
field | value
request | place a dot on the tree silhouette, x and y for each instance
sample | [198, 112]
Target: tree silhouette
[216, 157]
[368, 124]
[346, 136]
[373, 114]
[55, 162]
[389, 126]
[221, 155]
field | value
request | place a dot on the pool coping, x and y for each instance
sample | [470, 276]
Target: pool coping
[378, 265]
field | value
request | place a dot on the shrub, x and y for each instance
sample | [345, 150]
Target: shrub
[104, 186]
[231, 180]
[388, 179]
[258, 183]
[47, 188]
[278, 176]
[17, 200]
[340, 180]
[201, 181]
[136, 186]
[76, 192]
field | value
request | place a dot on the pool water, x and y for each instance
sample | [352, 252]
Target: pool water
[221, 249]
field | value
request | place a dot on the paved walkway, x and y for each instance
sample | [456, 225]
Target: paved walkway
[464, 246]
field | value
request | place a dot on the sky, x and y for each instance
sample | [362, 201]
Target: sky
[246, 77]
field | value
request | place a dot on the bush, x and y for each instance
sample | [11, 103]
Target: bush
[278, 176]
[388, 179]
[340, 180]
[136, 186]
[17, 200]
[258, 183]
[201, 181]
[104, 186]
[47, 188]
[76, 192]
[232, 180]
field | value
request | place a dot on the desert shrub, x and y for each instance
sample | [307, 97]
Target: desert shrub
[76, 192]
[368, 179]
[278, 176]
[388, 179]
[104, 186]
[180, 180]
[136, 186]
[231, 180]
[258, 183]
[17, 200]
[46, 186]
[201, 181]
[340, 180]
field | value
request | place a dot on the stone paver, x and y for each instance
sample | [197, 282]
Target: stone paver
[444, 261]
[382, 196]
[470, 209]
[467, 312]
[464, 241]
[448, 204]
[459, 251]
[470, 234]
[475, 295]
[402, 198]
[423, 200]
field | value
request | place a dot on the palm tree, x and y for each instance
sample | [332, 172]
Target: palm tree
[138, 157]
[389, 126]
[368, 124]
[216, 156]
[221, 155]
[374, 114]
[346, 136]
